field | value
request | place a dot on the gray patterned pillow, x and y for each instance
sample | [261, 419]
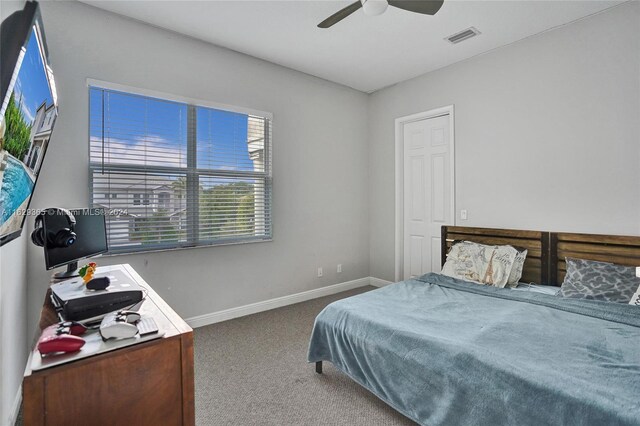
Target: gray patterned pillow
[588, 279]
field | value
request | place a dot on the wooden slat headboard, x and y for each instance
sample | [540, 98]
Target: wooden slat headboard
[545, 263]
[619, 249]
[536, 266]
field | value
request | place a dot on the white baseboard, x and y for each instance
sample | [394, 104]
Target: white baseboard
[278, 302]
[15, 408]
[378, 282]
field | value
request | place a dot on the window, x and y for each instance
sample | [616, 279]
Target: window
[186, 174]
[164, 200]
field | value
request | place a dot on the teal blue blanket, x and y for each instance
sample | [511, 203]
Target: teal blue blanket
[447, 352]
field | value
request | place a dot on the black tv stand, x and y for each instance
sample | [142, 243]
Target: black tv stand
[72, 271]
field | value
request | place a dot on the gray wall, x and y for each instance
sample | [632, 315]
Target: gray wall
[547, 133]
[14, 338]
[320, 160]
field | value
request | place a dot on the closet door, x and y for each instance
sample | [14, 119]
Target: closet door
[428, 192]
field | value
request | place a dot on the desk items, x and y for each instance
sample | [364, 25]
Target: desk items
[100, 283]
[77, 302]
[152, 374]
[119, 325]
[87, 271]
[61, 338]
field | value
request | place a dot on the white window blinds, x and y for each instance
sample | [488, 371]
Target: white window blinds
[176, 174]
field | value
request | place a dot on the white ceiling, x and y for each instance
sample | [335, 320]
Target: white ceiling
[363, 52]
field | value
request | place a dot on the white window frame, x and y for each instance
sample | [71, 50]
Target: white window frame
[268, 147]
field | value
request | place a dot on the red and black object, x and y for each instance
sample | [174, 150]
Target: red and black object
[61, 338]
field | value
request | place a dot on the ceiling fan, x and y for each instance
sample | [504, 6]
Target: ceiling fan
[377, 7]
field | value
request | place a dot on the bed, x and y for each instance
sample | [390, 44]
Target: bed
[444, 351]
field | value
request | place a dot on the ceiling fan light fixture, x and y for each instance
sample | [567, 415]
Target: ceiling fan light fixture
[377, 7]
[374, 7]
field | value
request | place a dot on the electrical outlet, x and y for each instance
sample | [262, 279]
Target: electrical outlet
[339, 268]
[319, 272]
[463, 214]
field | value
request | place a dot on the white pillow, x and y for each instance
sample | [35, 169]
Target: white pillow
[635, 299]
[467, 261]
[502, 265]
[480, 263]
[516, 270]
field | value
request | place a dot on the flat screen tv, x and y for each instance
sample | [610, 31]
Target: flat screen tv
[28, 110]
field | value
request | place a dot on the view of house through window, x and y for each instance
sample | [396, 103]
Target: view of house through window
[179, 175]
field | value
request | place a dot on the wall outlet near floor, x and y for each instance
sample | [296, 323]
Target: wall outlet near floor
[319, 272]
[339, 268]
[463, 215]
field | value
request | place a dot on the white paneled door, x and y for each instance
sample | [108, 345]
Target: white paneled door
[428, 192]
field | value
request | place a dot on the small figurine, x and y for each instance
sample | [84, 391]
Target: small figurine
[87, 271]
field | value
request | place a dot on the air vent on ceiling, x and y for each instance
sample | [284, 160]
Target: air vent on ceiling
[463, 35]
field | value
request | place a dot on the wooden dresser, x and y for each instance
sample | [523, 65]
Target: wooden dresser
[150, 383]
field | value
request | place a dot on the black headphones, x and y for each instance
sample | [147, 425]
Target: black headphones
[62, 238]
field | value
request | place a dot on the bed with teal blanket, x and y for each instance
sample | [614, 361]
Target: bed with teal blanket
[448, 352]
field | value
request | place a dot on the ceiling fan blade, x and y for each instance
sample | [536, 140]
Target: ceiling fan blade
[340, 15]
[426, 7]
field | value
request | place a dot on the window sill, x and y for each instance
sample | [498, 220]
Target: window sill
[159, 250]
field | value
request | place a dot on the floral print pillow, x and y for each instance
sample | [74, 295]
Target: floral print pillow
[483, 264]
[518, 266]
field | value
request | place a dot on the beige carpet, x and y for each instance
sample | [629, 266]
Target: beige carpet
[253, 371]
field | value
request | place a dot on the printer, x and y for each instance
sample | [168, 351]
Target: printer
[75, 302]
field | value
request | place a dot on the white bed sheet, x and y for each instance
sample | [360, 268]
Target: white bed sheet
[538, 288]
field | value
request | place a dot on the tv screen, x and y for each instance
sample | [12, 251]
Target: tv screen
[29, 111]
